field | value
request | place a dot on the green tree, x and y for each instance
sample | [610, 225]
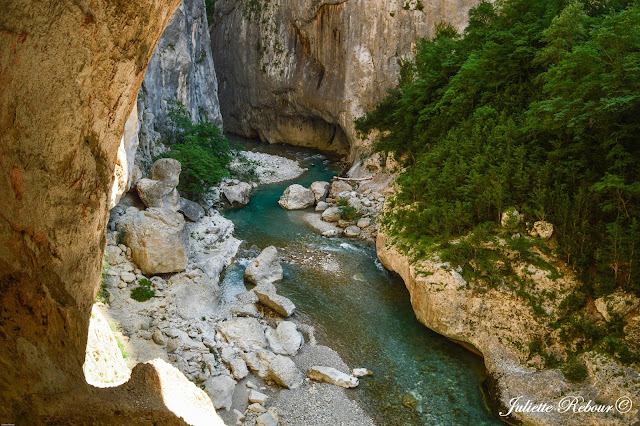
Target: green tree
[202, 150]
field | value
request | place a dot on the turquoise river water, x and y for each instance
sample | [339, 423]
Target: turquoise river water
[360, 310]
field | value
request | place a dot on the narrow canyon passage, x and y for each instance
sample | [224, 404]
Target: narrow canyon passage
[360, 310]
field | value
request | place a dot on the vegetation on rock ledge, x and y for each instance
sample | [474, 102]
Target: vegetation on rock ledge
[536, 107]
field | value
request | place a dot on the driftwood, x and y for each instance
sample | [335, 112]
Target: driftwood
[352, 179]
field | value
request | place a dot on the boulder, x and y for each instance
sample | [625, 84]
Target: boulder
[333, 376]
[297, 197]
[339, 186]
[616, 304]
[332, 214]
[238, 194]
[542, 229]
[257, 408]
[322, 206]
[156, 238]
[220, 389]
[284, 372]
[190, 210]
[364, 222]
[266, 419]
[257, 397]
[331, 233]
[361, 372]
[352, 231]
[268, 297]
[160, 190]
[285, 339]
[320, 189]
[265, 268]
[158, 338]
[246, 333]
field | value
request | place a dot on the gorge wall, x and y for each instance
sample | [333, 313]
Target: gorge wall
[70, 72]
[301, 72]
[181, 69]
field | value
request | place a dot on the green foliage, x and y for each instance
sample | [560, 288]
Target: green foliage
[349, 213]
[210, 6]
[535, 107]
[202, 150]
[143, 291]
[575, 371]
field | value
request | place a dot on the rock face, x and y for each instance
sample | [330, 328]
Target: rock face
[301, 72]
[181, 70]
[156, 238]
[126, 173]
[71, 71]
[297, 197]
[265, 268]
[485, 322]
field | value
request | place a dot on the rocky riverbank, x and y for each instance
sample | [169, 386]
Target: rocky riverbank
[161, 295]
[500, 324]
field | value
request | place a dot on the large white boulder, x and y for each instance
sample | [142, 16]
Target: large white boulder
[246, 333]
[238, 194]
[297, 197]
[160, 189]
[157, 239]
[220, 389]
[339, 186]
[284, 372]
[320, 190]
[268, 296]
[332, 214]
[265, 268]
[285, 339]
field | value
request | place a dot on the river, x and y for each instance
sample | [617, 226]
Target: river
[360, 310]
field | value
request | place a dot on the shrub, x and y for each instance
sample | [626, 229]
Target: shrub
[348, 213]
[575, 371]
[143, 291]
[201, 149]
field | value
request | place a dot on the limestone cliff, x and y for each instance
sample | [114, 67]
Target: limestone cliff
[181, 69]
[70, 72]
[500, 325]
[301, 72]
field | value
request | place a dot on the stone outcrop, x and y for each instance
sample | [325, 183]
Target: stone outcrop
[485, 322]
[71, 72]
[159, 190]
[126, 173]
[301, 72]
[156, 238]
[297, 197]
[181, 69]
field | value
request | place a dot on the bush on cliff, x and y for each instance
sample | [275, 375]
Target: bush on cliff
[535, 106]
[202, 150]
